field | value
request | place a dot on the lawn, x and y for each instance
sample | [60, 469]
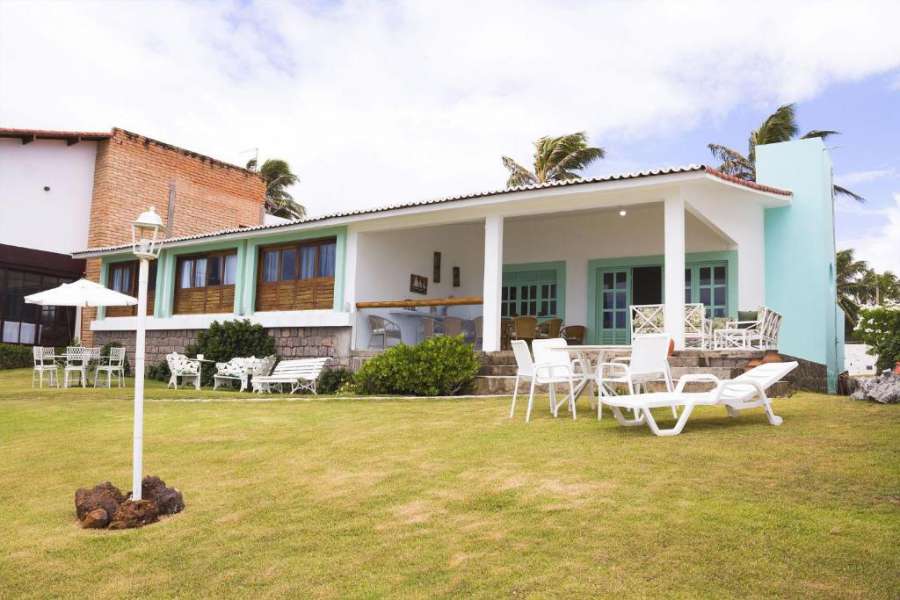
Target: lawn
[335, 498]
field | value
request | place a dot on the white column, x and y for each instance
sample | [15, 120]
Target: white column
[493, 279]
[674, 268]
[350, 265]
[138, 446]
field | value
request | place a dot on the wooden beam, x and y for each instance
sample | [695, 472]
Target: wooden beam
[27, 139]
[409, 303]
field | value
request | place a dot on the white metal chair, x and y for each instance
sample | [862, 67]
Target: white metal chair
[78, 361]
[186, 368]
[743, 392]
[115, 365]
[44, 362]
[236, 369]
[300, 374]
[761, 334]
[556, 370]
[697, 328]
[647, 319]
[387, 329]
[649, 361]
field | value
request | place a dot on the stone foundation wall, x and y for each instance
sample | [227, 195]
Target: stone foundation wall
[290, 342]
[808, 375]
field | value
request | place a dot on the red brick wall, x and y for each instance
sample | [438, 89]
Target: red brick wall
[133, 172]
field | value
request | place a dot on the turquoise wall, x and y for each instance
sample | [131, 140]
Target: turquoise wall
[800, 249]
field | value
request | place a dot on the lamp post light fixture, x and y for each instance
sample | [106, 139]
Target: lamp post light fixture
[145, 246]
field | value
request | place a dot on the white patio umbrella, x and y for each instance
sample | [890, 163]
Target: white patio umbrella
[80, 294]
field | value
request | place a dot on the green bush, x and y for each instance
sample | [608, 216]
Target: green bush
[440, 366]
[880, 329]
[224, 341]
[331, 380]
[104, 352]
[13, 356]
[159, 371]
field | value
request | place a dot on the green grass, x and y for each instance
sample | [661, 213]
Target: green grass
[421, 498]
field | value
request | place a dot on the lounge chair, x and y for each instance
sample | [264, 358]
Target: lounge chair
[745, 391]
[300, 374]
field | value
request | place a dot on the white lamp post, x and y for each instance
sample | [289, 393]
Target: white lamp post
[145, 246]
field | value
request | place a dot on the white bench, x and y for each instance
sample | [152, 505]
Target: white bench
[301, 374]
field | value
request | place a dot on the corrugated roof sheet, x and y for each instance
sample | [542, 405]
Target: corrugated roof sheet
[446, 199]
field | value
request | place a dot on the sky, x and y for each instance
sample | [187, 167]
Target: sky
[376, 103]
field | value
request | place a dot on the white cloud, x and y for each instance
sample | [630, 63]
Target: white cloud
[377, 103]
[881, 246]
[855, 177]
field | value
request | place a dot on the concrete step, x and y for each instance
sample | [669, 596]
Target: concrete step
[509, 370]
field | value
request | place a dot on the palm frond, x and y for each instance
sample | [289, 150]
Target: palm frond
[840, 190]
[518, 175]
[732, 162]
[559, 157]
[819, 133]
[780, 126]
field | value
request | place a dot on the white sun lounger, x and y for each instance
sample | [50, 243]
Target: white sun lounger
[745, 391]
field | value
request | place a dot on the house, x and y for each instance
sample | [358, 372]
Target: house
[581, 250]
[66, 190]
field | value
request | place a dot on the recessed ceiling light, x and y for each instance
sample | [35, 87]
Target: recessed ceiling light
[623, 212]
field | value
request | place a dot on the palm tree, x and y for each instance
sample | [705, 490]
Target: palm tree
[278, 176]
[849, 276]
[555, 159]
[780, 126]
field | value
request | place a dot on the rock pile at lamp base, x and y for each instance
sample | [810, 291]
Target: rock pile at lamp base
[105, 506]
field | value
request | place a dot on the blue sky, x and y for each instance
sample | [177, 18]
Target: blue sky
[376, 103]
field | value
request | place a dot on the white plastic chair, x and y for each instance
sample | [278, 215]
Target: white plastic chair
[44, 363]
[115, 365]
[554, 370]
[649, 361]
[77, 361]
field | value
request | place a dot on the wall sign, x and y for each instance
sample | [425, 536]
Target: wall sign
[436, 275]
[418, 284]
[455, 276]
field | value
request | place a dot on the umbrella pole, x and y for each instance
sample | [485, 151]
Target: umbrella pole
[140, 332]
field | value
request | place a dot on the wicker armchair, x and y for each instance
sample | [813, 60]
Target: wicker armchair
[573, 334]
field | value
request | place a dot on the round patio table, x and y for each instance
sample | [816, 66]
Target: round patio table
[590, 356]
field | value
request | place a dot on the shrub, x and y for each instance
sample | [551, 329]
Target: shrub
[104, 352]
[332, 380]
[159, 371]
[13, 356]
[440, 366]
[224, 341]
[880, 329]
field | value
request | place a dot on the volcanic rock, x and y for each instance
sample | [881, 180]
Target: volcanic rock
[135, 513]
[105, 496]
[168, 500]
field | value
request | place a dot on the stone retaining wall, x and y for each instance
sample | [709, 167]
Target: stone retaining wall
[290, 342]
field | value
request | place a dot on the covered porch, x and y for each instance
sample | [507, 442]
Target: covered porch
[583, 256]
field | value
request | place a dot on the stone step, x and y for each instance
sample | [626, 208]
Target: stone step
[509, 370]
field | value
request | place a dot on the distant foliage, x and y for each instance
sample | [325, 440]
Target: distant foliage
[880, 329]
[439, 366]
[159, 371]
[13, 356]
[332, 380]
[224, 341]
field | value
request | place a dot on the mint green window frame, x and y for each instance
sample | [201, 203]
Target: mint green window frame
[546, 278]
[598, 265]
[717, 304]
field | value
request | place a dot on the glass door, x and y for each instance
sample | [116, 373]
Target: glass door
[712, 288]
[612, 306]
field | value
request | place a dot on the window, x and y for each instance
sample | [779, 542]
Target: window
[123, 277]
[710, 287]
[22, 323]
[297, 276]
[530, 293]
[206, 283]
